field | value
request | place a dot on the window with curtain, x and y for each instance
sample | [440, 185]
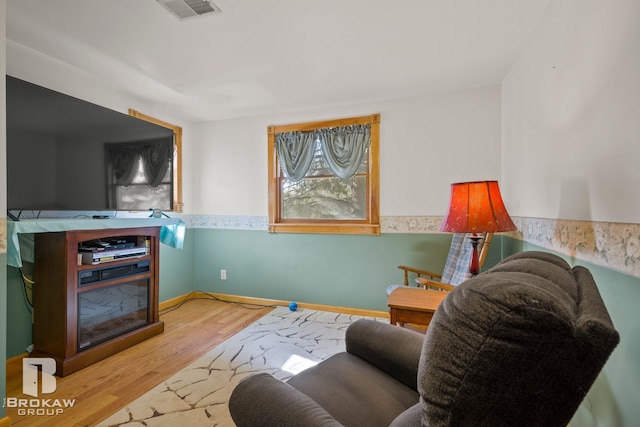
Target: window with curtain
[324, 176]
[139, 174]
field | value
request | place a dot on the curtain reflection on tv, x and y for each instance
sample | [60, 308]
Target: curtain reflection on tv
[140, 174]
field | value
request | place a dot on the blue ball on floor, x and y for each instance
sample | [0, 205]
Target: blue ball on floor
[293, 306]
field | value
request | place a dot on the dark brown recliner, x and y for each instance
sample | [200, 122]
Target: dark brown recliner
[518, 345]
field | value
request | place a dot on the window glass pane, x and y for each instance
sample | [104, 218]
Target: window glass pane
[364, 167]
[319, 166]
[325, 198]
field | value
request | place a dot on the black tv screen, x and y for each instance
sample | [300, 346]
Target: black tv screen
[66, 154]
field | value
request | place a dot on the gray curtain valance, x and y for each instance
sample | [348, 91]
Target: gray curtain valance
[295, 153]
[344, 149]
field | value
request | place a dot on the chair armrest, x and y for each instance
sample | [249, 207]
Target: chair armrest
[426, 283]
[392, 349]
[262, 400]
[417, 271]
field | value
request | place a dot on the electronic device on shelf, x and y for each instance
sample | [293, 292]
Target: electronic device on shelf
[110, 255]
[111, 249]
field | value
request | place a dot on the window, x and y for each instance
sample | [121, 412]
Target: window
[324, 176]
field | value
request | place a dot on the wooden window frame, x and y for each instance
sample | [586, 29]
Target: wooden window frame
[178, 206]
[369, 226]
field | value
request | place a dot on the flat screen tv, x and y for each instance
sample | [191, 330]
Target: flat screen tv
[66, 154]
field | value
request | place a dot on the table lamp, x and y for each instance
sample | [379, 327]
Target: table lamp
[476, 207]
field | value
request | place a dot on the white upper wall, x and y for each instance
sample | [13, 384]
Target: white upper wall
[571, 115]
[426, 143]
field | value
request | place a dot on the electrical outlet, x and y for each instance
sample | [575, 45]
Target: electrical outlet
[223, 274]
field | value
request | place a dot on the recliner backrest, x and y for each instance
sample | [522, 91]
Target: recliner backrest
[520, 344]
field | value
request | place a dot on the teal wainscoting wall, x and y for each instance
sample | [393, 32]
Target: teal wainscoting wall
[176, 278]
[177, 268]
[18, 313]
[337, 270]
[613, 399]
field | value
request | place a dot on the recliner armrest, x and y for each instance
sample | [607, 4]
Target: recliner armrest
[262, 400]
[390, 348]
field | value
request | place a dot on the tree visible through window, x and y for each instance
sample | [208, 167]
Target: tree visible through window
[323, 195]
[324, 176]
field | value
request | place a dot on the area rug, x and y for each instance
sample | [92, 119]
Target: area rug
[282, 343]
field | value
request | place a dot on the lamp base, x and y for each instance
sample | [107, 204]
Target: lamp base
[474, 267]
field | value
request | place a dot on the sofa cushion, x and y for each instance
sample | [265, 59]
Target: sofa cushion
[395, 351]
[410, 417]
[274, 403]
[354, 392]
[514, 346]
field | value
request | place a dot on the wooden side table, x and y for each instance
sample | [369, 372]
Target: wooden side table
[413, 305]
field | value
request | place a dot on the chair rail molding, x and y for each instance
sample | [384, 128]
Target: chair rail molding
[3, 235]
[612, 245]
[227, 222]
[608, 244]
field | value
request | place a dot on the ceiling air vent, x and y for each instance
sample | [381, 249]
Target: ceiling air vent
[185, 9]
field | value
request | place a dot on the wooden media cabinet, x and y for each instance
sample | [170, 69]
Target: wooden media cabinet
[86, 311]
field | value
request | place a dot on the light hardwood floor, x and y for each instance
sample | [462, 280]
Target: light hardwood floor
[107, 386]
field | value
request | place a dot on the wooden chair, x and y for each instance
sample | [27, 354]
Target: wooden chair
[456, 268]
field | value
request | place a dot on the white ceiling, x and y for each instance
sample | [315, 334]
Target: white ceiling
[261, 56]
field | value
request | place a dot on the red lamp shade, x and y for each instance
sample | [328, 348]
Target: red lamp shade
[476, 207]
